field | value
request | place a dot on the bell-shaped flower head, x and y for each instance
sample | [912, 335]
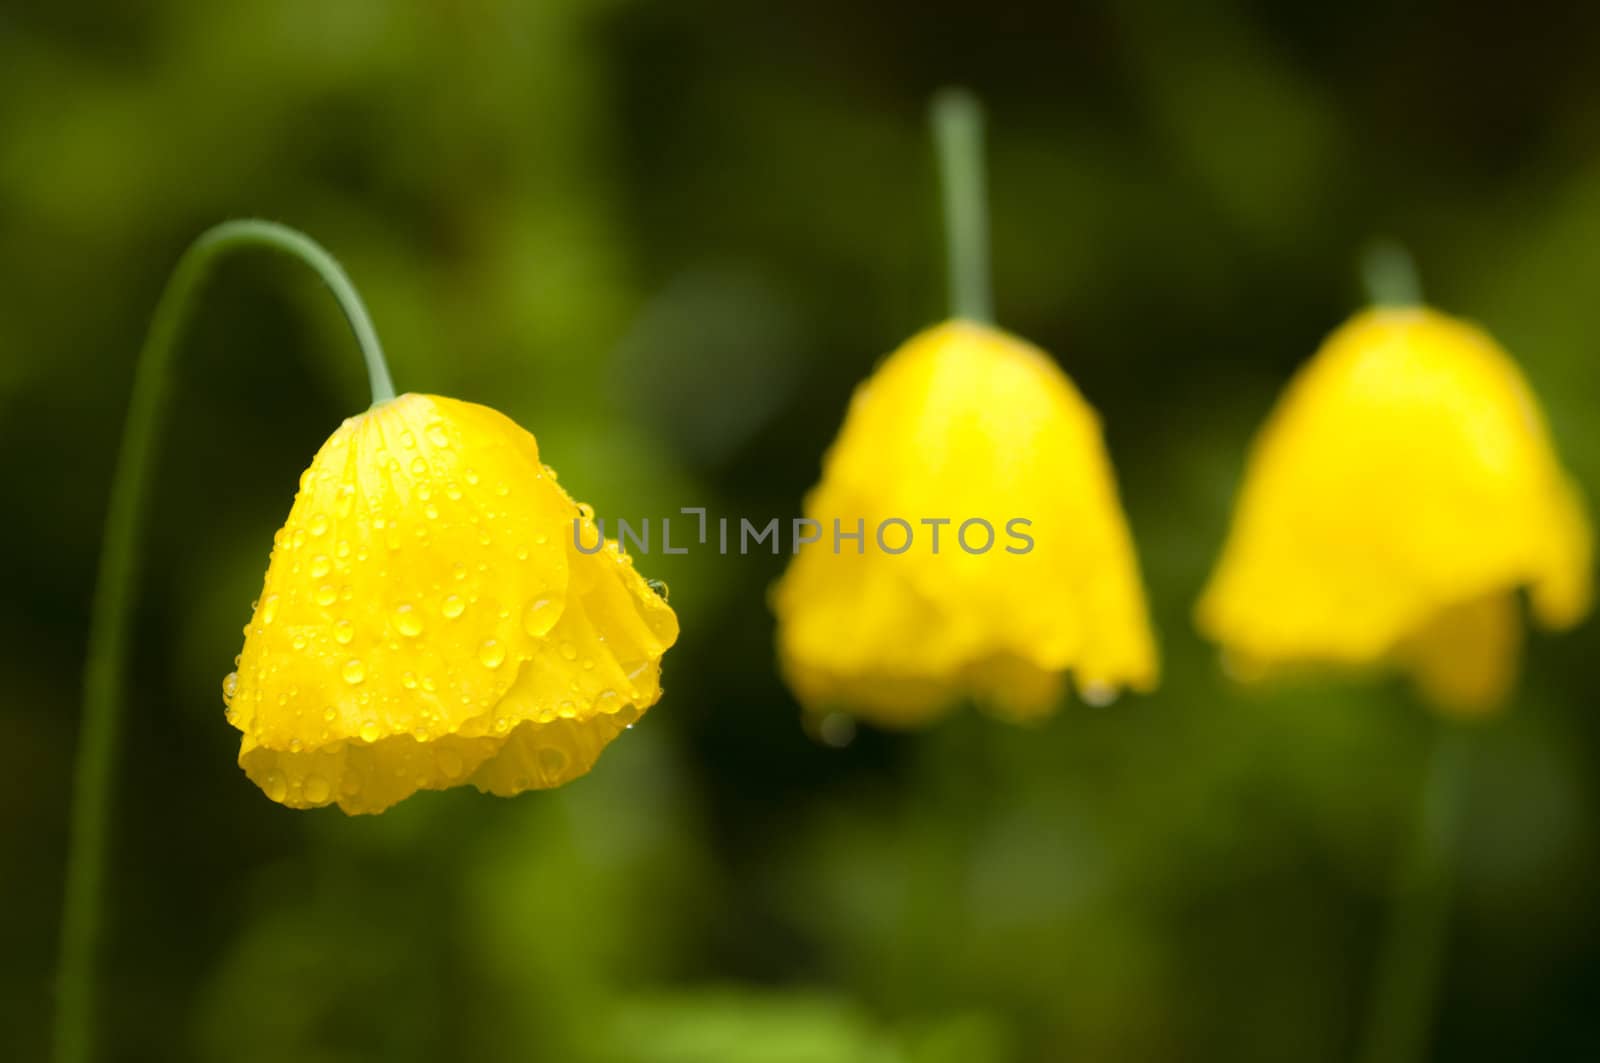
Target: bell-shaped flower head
[993, 558]
[428, 620]
[1401, 494]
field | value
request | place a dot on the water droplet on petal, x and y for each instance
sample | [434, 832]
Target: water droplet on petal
[449, 763]
[491, 654]
[569, 651]
[369, 731]
[343, 632]
[437, 436]
[837, 729]
[317, 789]
[326, 594]
[269, 608]
[274, 786]
[419, 467]
[1098, 695]
[539, 617]
[552, 761]
[319, 524]
[230, 687]
[453, 606]
[354, 671]
[408, 621]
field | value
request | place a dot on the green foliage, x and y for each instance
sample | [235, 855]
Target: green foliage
[668, 238]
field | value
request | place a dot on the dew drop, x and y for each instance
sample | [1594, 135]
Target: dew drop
[329, 713]
[1098, 695]
[347, 498]
[567, 709]
[409, 680]
[539, 617]
[608, 702]
[419, 467]
[320, 566]
[408, 621]
[230, 687]
[569, 651]
[470, 475]
[369, 731]
[317, 789]
[343, 632]
[837, 729]
[354, 671]
[326, 594]
[491, 654]
[295, 745]
[552, 761]
[453, 606]
[660, 587]
[269, 608]
[319, 524]
[274, 786]
[586, 511]
[437, 436]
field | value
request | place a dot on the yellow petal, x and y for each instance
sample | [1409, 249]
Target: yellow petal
[964, 423]
[1465, 659]
[1406, 471]
[427, 620]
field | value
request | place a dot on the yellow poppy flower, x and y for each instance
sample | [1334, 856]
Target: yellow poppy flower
[427, 620]
[1397, 499]
[1031, 576]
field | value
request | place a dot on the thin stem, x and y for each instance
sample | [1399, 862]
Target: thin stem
[958, 138]
[1390, 275]
[1411, 963]
[82, 919]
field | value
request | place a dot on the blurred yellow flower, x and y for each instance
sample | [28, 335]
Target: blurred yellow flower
[993, 557]
[427, 621]
[1397, 499]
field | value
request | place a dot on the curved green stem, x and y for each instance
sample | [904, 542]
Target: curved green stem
[94, 773]
[1411, 963]
[958, 136]
[1390, 275]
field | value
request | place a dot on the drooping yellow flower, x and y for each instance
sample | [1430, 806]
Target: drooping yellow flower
[428, 621]
[1402, 493]
[967, 425]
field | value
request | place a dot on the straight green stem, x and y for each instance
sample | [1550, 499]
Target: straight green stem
[94, 775]
[1412, 959]
[1390, 275]
[958, 137]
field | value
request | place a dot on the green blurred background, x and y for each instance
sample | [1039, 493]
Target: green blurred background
[669, 238]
